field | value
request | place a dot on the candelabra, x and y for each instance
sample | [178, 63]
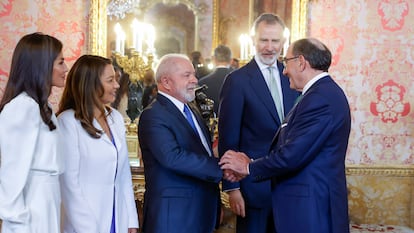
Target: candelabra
[136, 66]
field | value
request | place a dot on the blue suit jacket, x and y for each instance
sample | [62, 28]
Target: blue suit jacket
[248, 121]
[214, 81]
[307, 163]
[181, 179]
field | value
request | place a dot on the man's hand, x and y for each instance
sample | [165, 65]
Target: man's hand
[237, 203]
[132, 230]
[234, 165]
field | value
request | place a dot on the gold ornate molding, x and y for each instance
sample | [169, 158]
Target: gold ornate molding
[97, 43]
[299, 19]
[97, 28]
[216, 13]
[380, 170]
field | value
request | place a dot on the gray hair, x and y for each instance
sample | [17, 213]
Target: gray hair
[167, 65]
[269, 18]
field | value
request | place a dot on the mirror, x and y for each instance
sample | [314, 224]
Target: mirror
[98, 28]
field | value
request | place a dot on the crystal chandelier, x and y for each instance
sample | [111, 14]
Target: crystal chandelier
[118, 8]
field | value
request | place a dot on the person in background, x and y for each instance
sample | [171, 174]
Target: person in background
[96, 186]
[253, 102]
[121, 100]
[150, 88]
[181, 175]
[214, 80]
[198, 64]
[234, 64]
[149, 95]
[306, 161]
[30, 165]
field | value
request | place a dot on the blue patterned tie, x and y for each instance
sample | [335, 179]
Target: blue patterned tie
[189, 117]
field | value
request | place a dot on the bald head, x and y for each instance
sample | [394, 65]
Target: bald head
[315, 52]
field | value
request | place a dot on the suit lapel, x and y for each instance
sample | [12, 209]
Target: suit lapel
[203, 127]
[181, 118]
[260, 88]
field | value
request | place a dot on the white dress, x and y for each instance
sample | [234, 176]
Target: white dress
[29, 170]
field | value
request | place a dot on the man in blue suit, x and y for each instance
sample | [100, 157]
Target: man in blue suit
[253, 103]
[181, 175]
[306, 162]
[214, 80]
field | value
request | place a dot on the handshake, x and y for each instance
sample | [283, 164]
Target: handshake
[234, 165]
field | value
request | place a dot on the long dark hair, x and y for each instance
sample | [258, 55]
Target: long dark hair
[31, 72]
[83, 91]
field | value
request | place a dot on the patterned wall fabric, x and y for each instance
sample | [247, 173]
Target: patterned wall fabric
[66, 20]
[373, 58]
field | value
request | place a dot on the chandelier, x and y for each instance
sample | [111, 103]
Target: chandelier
[118, 8]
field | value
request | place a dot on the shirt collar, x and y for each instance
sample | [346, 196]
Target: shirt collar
[263, 66]
[176, 102]
[313, 80]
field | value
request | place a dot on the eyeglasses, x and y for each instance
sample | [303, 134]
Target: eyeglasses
[285, 59]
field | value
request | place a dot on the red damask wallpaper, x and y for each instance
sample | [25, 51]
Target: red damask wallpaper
[64, 19]
[373, 47]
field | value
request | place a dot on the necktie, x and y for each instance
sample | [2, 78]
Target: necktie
[187, 113]
[274, 90]
[298, 99]
[189, 117]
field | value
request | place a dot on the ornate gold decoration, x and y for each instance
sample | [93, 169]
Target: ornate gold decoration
[380, 170]
[381, 194]
[135, 65]
[97, 28]
[216, 14]
[299, 19]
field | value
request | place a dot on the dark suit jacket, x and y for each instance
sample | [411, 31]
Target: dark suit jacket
[214, 81]
[248, 121]
[307, 163]
[181, 180]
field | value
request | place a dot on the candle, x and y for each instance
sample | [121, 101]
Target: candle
[150, 38]
[134, 26]
[118, 30]
[286, 35]
[122, 46]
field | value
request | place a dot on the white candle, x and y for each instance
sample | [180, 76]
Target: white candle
[150, 38]
[118, 30]
[286, 35]
[134, 26]
[241, 40]
[122, 47]
[140, 31]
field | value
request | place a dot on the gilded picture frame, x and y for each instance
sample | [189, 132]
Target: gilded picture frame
[97, 43]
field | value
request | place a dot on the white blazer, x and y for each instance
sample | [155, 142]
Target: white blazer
[95, 171]
[29, 170]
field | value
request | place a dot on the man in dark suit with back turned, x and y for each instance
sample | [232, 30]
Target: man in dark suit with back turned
[306, 162]
[254, 100]
[181, 175]
[214, 80]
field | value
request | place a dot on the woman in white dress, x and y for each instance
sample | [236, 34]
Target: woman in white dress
[29, 172]
[97, 190]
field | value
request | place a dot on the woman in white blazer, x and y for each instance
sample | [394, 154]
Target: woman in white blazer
[29, 173]
[97, 190]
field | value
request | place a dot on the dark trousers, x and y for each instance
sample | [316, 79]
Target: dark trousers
[256, 221]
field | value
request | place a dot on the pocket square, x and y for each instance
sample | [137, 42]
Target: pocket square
[284, 125]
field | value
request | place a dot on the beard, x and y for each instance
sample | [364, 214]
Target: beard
[187, 94]
[268, 60]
